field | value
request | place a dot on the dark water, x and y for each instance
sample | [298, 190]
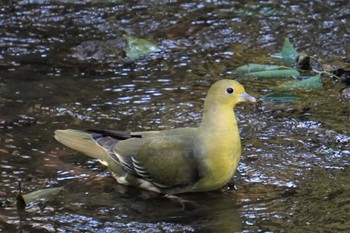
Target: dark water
[62, 65]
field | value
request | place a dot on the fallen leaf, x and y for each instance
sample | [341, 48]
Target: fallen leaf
[289, 54]
[279, 98]
[313, 82]
[137, 47]
[267, 74]
[255, 68]
[38, 195]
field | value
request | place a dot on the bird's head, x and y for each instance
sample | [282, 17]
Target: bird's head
[228, 92]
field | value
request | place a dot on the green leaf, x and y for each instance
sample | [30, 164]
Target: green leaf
[313, 82]
[38, 195]
[255, 68]
[269, 74]
[289, 54]
[277, 55]
[279, 98]
[137, 47]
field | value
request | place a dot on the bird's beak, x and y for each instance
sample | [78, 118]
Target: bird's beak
[246, 97]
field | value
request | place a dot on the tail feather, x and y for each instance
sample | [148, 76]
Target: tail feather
[82, 142]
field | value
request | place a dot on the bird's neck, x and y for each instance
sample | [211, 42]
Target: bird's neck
[219, 118]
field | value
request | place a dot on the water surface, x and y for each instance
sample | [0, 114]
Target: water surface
[63, 66]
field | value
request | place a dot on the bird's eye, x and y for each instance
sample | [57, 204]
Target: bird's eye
[230, 90]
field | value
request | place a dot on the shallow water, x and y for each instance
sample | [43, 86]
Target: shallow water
[63, 66]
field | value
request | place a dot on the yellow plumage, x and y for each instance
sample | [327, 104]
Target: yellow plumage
[177, 160]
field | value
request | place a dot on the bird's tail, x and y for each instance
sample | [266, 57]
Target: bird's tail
[82, 142]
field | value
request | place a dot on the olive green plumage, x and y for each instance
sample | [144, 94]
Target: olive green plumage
[176, 160]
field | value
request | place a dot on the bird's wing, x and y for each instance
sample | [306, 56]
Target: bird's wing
[165, 161]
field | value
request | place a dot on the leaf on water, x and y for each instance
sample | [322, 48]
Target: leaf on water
[277, 55]
[38, 195]
[313, 82]
[268, 74]
[137, 47]
[251, 67]
[279, 98]
[289, 54]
